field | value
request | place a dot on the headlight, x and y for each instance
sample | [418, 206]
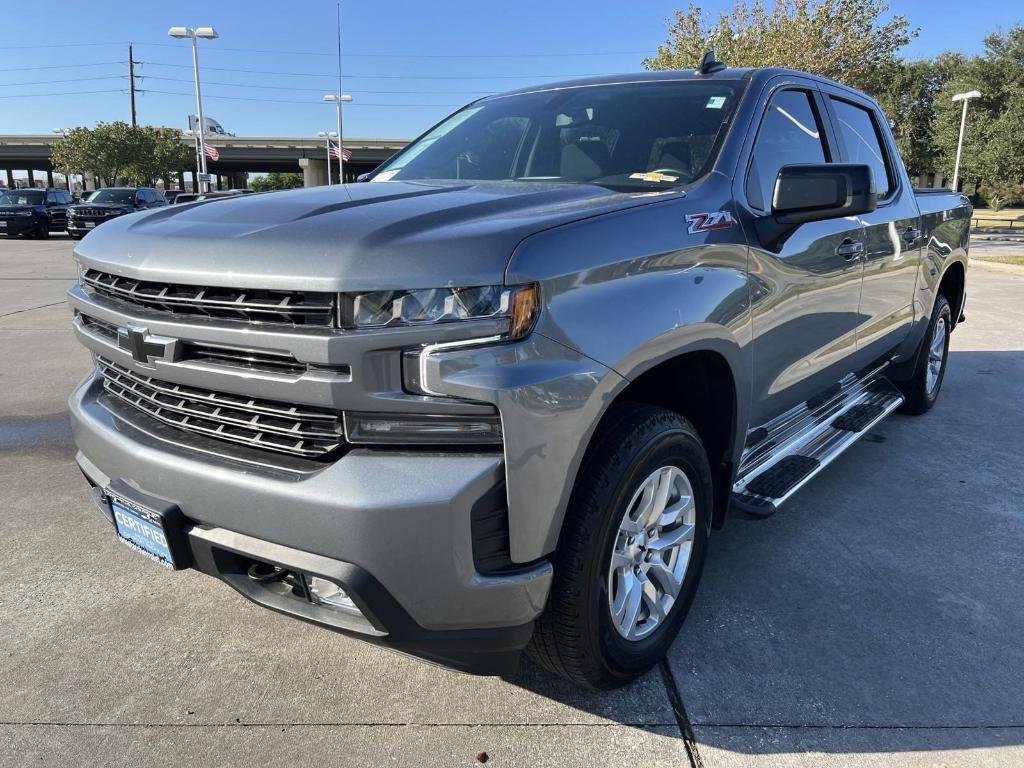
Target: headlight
[383, 309]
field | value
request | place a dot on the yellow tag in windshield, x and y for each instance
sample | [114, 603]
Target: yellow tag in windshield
[653, 176]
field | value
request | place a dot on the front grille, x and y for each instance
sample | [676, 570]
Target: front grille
[280, 427]
[241, 357]
[252, 305]
[99, 327]
[94, 212]
[218, 354]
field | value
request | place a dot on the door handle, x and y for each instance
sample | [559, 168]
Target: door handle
[850, 249]
[910, 235]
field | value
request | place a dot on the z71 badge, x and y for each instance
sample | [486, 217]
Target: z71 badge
[705, 222]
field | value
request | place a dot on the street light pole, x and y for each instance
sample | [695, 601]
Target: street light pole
[208, 33]
[327, 137]
[964, 97]
[338, 98]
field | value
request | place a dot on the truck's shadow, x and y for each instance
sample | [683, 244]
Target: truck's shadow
[881, 610]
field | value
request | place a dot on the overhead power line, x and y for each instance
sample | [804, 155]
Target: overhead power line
[378, 55]
[55, 45]
[377, 77]
[68, 80]
[353, 55]
[297, 88]
[61, 66]
[291, 101]
[61, 93]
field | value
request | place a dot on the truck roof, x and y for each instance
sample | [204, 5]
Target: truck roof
[753, 74]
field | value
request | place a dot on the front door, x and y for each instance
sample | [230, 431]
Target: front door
[805, 295]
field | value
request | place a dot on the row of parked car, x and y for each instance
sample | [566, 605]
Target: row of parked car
[38, 212]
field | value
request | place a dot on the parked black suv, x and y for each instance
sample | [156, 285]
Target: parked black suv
[33, 212]
[105, 204]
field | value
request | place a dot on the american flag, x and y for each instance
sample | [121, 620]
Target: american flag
[211, 152]
[345, 152]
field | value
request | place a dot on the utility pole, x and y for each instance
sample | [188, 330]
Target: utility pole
[131, 82]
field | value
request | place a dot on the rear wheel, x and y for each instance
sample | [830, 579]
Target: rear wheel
[921, 390]
[631, 551]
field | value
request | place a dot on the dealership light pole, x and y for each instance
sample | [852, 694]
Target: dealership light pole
[327, 136]
[964, 97]
[338, 98]
[194, 33]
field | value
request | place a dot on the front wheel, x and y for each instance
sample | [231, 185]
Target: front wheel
[631, 552]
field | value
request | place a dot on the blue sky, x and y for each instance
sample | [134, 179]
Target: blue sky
[406, 64]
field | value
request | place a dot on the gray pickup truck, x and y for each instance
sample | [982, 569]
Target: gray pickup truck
[497, 398]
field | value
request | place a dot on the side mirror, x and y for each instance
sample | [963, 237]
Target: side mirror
[815, 192]
[363, 177]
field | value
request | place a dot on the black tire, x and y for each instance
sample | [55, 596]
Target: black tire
[918, 398]
[575, 637]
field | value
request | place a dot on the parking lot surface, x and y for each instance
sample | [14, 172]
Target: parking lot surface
[876, 620]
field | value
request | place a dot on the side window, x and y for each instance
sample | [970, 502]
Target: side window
[790, 133]
[863, 143]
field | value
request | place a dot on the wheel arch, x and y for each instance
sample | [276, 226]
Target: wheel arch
[710, 399]
[953, 286]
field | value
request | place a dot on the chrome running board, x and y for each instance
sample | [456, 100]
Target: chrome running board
[794, 447]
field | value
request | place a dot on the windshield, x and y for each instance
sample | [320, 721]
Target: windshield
[629, 135]
[124, 196]
[22, 197]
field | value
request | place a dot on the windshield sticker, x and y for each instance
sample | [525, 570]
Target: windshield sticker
[653, 176]
[715, 102]
[705, 222]
[385, 175]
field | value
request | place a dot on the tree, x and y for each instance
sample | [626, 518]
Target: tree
[846, 40]
[115, 151]
[906, 91]
[993, 148]
[277, 180]
[161, 153]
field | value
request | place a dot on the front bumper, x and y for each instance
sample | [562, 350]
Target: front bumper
[80, 225]
[19, 225]
[392, 527]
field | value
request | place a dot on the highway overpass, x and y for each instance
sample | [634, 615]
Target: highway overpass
[239, 155]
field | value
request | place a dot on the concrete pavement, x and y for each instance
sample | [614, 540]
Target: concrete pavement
[876, 620]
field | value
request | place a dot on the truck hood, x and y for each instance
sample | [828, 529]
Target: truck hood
[344, 238]
[102, 206]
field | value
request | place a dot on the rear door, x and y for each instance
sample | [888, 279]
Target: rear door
[805, 295]
[892, 240]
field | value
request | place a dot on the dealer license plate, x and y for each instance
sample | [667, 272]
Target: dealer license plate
[143, 530]
[90, 224]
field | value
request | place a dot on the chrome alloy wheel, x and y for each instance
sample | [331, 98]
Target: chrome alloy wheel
[651, 553]
[936, 355]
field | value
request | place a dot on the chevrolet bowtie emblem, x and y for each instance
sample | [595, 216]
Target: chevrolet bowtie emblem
[143, 347]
